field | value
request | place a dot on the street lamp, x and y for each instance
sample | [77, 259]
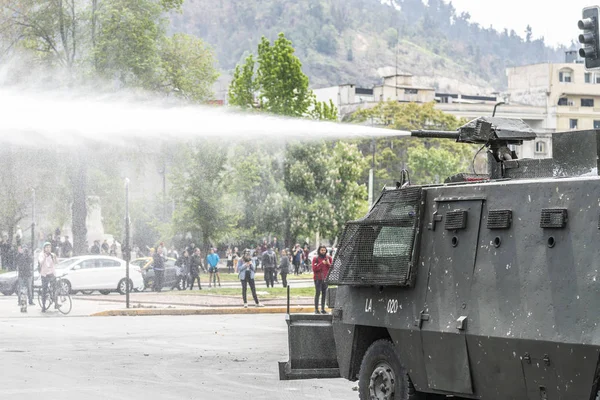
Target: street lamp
[127, 251]
[32, 236]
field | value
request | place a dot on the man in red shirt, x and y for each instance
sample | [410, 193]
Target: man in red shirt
[320, 266]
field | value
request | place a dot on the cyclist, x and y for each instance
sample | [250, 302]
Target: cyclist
[46, 265]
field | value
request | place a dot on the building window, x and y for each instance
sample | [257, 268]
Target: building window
[596, 124]
[573, 124]
[411, 91]
[565, 76]
[587, 102]
[588, 77]
[540, 147]
[563, 101]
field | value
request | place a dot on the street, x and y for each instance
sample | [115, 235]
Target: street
[165, 357]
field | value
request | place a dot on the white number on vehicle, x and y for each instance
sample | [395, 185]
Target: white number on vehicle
[392, 306]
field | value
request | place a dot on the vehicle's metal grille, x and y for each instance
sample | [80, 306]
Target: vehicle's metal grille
[379, 248]
[553, 218]
[499, 219]
[456, 219]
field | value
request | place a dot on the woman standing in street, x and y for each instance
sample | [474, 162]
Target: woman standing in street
[320, 266]
[246, 271]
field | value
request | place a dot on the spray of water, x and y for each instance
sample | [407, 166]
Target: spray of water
[29, 116]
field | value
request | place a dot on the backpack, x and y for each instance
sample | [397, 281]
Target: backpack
[269, 260]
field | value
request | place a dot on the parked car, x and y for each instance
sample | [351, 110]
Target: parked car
[9, 281]
[172, 273]
[103, 273]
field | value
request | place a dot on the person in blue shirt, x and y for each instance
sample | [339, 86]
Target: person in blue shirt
[213, 261]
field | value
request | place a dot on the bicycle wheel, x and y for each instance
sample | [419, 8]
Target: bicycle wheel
[47, 301]
[64, 303]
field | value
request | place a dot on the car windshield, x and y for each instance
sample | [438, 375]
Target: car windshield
[67, 263]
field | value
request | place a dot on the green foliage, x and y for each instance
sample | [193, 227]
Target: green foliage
[428, 160]
[326, 42]
[242, 87]
[322, 181]
[187, 67]
[324, 111]
[127, 45]
[391, 37]
[283, 87]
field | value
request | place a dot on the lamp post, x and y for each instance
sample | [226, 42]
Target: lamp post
[32, 236]
[127, 252]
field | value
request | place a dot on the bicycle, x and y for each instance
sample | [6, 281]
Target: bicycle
[59, 292]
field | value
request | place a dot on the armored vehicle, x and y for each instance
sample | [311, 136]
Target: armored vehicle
[484, 287]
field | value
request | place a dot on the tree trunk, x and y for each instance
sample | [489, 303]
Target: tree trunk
[78, 185]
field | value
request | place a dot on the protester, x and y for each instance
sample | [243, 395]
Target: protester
[269, 262]
[183, 265]
[306, 258]
[159, 269]
[67, 248]
[297, 255]
[24, 272]
[105, 247]
[195, 265]
[229, 255]
[284, 267]
[213, 268]
[46, 265]
[320, 266]
[246, 270]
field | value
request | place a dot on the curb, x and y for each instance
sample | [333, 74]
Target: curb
[201, 311]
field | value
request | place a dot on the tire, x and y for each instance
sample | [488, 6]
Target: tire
[87, 292]
[122, 288]
[181, 284]
[7, 293]
[45, 305]
[382, 376]
[64, 302]
[104, 292]
[64, 286]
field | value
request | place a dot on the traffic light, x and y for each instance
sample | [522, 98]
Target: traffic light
[590, 38]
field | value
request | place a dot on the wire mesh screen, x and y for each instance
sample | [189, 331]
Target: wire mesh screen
[378, 249]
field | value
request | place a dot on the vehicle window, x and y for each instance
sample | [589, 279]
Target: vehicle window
[110, 263]
[138, 263]
[89, 264]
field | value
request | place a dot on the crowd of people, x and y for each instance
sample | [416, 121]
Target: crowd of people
[276, 262]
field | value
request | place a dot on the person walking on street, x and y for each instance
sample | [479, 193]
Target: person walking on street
[284, 267]
[195, 265]
[229, 260]
[320, 266]
[297, 258]
[306, 258]
[159, 269]
[269, 262]
[67, 248]
[213, 268]
[24, 272]
[246, 270]
[46, 265]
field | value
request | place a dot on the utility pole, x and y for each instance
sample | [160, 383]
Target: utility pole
[127, 250]
[372, 170]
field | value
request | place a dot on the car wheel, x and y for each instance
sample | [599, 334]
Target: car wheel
[7, 293]
[122, 286]
[104, 292]
[382, 376]
[87, 292]
[65, 286]
[181, 284]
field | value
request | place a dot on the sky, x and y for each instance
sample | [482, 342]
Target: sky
[555, 20]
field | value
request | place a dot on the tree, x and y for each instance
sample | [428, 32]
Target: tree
[322, 182]
[242, 87]
[324, 111]
[528, 34]
[187, 67]
[283, 87]
[428, 160]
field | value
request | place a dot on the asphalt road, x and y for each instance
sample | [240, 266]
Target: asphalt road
[166, 357]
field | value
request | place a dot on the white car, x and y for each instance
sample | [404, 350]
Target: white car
[103, 273]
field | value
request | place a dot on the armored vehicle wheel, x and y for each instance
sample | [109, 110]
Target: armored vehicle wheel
[382, 376]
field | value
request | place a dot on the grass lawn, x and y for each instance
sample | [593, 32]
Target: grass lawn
[270, 293]
[227, 277]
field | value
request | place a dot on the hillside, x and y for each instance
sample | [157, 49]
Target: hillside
[350, 41]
